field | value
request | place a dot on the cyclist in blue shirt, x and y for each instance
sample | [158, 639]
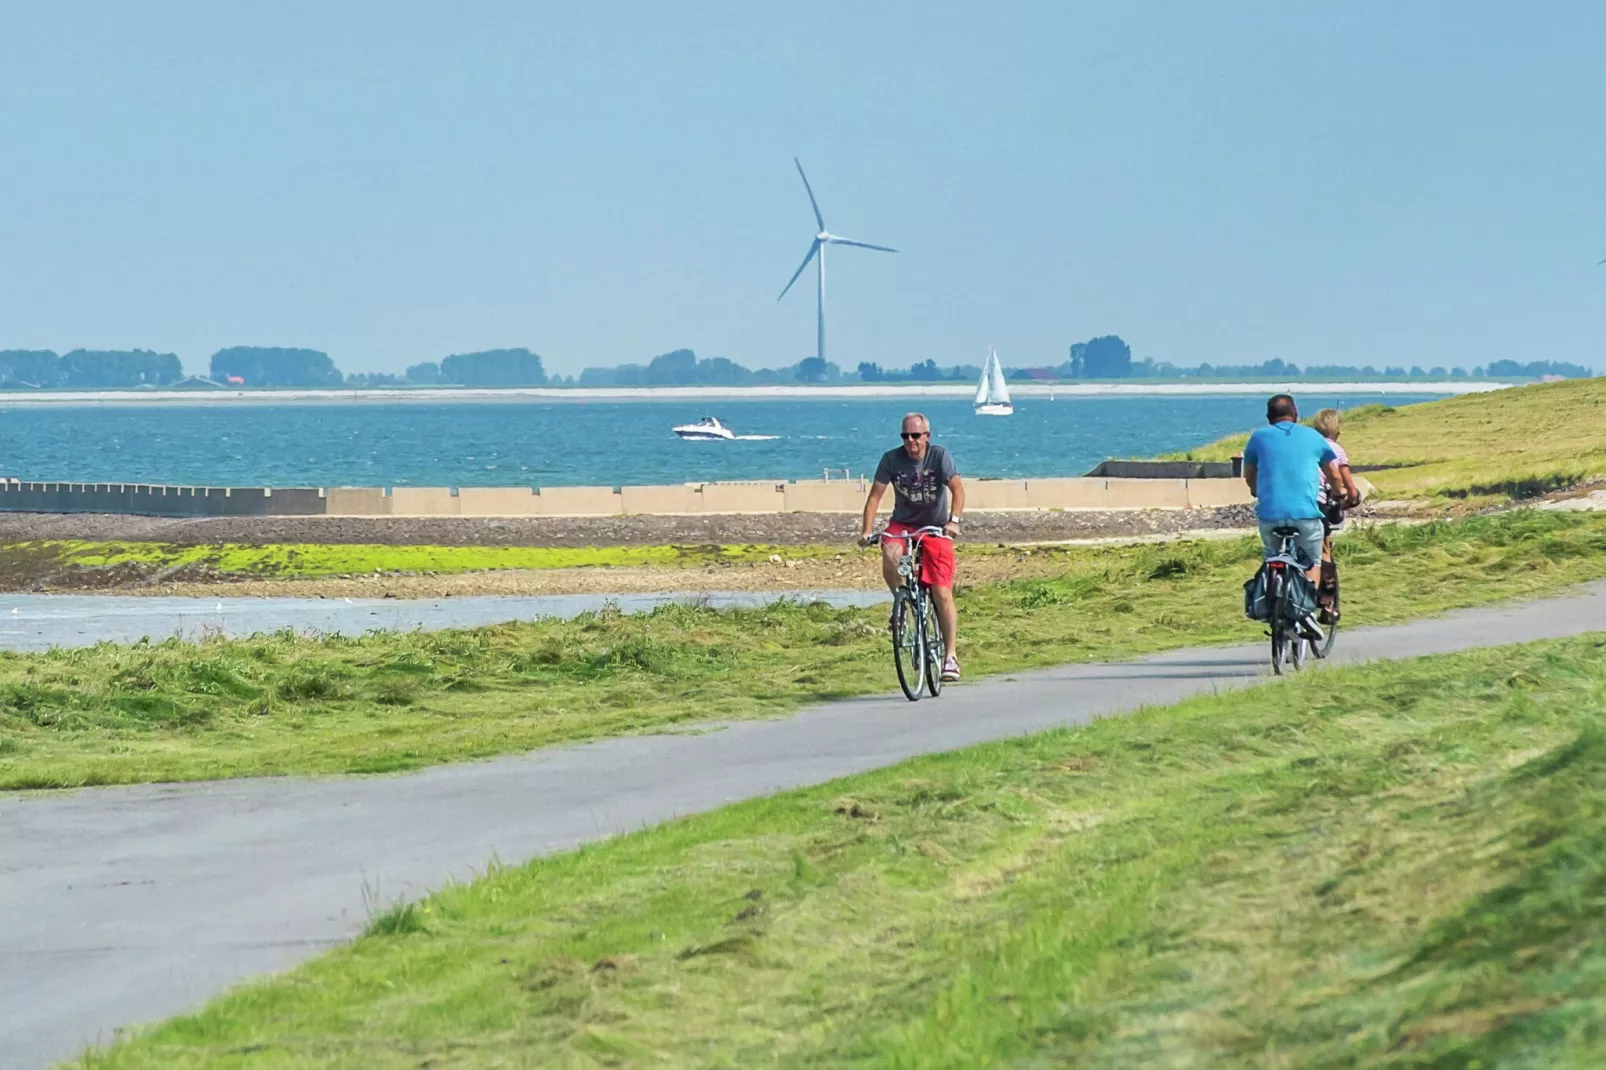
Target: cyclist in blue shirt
[1283, 465]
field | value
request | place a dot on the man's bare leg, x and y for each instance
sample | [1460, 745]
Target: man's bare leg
[947, 617]
[891, 550]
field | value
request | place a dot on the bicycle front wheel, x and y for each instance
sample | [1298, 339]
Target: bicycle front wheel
[908, 653]
[1325, 647]
[935, 651]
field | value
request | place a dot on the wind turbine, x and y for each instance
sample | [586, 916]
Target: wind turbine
[817, 249]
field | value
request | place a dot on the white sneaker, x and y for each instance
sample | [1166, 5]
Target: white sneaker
[950, 670]
[1309, 629]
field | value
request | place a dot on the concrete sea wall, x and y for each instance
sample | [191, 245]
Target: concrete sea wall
[803, 496]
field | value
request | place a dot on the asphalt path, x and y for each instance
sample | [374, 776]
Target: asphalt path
[130, 904]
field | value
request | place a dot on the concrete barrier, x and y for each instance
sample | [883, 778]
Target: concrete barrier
[578, 501]
[986, 494]
[423, 501]
[1213, 493]
[357, 501]
[805, 496]
[295, 501]
[744, 498]
[835, 496]
[678, 500]
[496, 501]
[1066, 494]
[1146, 493]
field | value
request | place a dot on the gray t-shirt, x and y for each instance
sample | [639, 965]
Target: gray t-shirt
[920, 488]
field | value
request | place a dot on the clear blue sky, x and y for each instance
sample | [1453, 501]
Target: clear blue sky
[391, 182]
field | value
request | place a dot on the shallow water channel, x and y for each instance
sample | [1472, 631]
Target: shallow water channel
[40, 622]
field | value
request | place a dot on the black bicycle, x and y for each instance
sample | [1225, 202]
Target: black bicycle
[1289, 601]
[917, 647]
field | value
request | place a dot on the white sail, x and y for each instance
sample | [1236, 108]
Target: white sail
[997, 392]
[992, 396]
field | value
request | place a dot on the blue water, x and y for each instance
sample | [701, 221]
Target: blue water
[582, 443]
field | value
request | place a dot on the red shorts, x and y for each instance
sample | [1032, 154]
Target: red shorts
[936, 556]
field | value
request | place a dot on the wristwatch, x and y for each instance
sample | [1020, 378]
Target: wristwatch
[955, 519]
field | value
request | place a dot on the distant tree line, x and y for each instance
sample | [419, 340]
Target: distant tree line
[925, 371]
[682, 367]
[1109, 357]
[272, 366]
[1104, 357]
[87, 369]
[253, 366]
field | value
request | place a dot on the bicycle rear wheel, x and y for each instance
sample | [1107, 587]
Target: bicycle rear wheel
[936, 653]
[1281, 634]
[908, 652]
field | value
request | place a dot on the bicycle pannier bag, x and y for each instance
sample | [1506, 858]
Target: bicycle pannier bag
[1301, 596]
[1255, 607]
[1301, 599]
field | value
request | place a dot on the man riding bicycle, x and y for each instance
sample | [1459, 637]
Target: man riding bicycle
[927, 492]
[1283, 465]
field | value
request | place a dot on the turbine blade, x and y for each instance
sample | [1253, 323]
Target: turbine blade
[813, 248]
[834, 240]
[816, 204]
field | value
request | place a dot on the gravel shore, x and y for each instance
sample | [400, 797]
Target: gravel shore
[42, 571]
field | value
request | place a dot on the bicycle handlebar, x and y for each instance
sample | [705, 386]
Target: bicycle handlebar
[930, 531]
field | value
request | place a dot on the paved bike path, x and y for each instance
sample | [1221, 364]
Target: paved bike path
[126, 905]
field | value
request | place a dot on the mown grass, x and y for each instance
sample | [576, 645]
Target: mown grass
[1396, 866]
[320, 560]
[383, 702]
[1508, 444]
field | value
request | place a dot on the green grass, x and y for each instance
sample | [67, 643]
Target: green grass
[318, 560]
[1509, 444]
[1396, 866]
[385, 702]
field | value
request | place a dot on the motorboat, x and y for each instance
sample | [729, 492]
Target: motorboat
[992, 396]
[707, 429]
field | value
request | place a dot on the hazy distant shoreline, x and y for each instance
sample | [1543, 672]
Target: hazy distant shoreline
[418, 395]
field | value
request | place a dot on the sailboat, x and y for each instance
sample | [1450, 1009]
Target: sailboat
[992, 396]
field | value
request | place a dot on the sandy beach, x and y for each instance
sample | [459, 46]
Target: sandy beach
[437, 395]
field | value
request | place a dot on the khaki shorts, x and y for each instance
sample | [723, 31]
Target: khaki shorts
[1307, 544]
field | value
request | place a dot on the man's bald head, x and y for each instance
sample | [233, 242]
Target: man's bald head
[1280, 407]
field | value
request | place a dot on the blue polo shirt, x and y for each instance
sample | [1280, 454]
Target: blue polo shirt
[1288, 459]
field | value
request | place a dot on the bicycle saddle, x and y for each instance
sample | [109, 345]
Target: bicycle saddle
[1284, 529]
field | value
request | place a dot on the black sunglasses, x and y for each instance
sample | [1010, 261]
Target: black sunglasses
[906, 435]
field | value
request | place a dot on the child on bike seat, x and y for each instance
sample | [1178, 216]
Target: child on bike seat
[1333, 501]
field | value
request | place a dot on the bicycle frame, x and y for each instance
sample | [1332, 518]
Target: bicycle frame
[1286, 641]
[925, 647]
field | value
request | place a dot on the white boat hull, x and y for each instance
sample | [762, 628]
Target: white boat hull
[704, 436]
[995, 410]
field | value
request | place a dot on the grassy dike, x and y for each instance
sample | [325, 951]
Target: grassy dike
[1478, 448]
[324, 560]
[1396, 866]
[385, 702]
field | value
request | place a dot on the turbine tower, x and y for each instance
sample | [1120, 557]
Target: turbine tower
[817, 249]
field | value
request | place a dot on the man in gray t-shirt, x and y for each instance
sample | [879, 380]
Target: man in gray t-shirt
[927, 492]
